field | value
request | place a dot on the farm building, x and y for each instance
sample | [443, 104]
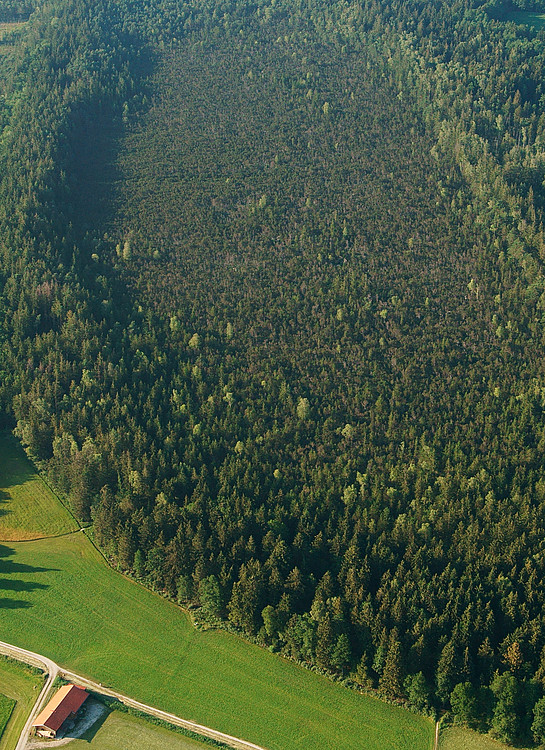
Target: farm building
[64, 704]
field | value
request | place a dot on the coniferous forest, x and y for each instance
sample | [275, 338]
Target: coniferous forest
[273, 320]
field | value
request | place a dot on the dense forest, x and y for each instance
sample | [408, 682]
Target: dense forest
[273, 316]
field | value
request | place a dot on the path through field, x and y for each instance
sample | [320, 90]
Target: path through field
[36, 660]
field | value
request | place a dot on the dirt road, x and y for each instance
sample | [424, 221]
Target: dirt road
[53, 670]
[36, 661]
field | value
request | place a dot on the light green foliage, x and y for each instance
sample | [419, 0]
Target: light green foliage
[418, 692]
[210, 595]
[127, 253]
[464, 703]
[303, 408]
[506, 718]
[538, 725]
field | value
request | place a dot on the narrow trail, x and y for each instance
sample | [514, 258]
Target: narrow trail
[40, 538]
[29, 657]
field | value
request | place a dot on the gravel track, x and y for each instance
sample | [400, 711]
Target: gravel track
[52, 669]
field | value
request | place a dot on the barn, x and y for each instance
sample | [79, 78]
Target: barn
[65, 703]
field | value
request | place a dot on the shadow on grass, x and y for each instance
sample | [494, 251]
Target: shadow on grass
[4, 498]
[16, 466]
[16, 584]
[89, 734]
[8, 584]
[14, 603]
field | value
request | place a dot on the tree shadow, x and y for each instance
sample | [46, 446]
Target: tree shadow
[4, 511]
[17, 468]
[8, 584]
[97, 140]
[4, 499]
[6, 603]
[7, 567]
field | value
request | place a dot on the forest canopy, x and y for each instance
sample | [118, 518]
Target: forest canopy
[273, 315]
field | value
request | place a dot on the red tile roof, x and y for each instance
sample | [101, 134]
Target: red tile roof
[65, 702]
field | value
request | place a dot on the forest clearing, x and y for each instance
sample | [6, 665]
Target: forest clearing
[28, 507]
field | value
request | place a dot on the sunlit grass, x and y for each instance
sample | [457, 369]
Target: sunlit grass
[461, 738]
[28, 507]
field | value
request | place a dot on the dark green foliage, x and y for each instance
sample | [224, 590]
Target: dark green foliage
[16, 10]
[391, 679]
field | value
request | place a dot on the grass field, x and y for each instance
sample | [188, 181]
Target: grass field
[59, 598]
[459, 738]
[120, 731]
[28, 508]
[527, 17]
[20, 685]
[6, 709]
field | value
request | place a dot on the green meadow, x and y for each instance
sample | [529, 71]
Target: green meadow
[28, 508]
[121, 731]
[59, 598]
[21, 686]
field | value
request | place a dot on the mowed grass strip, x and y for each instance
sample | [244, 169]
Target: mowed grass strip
[59, 598]
[28, 508]
[121, 731]
[20, 686]
[460, 738]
